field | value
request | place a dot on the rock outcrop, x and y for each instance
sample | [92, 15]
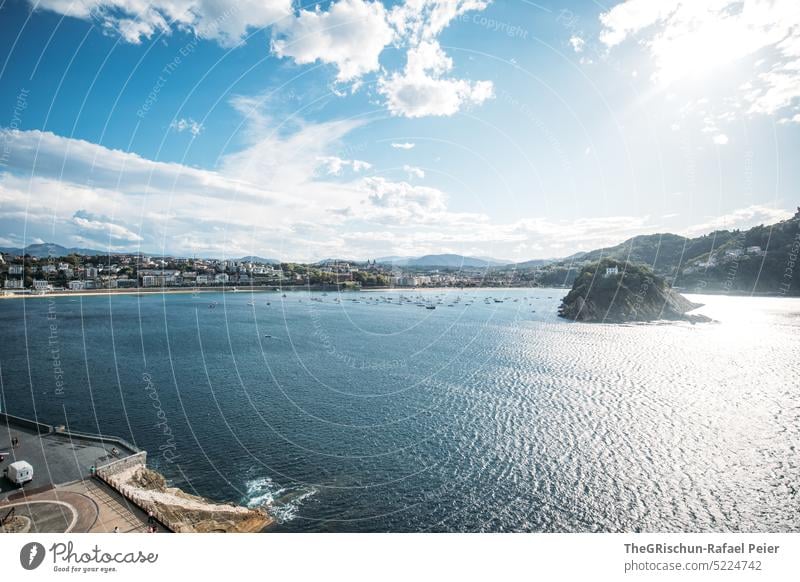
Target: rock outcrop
[183, 512]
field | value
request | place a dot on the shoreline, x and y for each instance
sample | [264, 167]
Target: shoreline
[250, 290]
[295, 289]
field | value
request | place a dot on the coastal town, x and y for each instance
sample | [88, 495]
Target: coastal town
[28, 274]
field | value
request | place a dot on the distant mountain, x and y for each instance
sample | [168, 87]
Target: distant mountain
[392, 259]
[44, 250]
[257, 259]
[533, 263]
[448, 261]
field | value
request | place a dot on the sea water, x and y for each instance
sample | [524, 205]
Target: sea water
[366, 411]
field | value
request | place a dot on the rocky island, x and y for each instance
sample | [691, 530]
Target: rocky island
[617, 291]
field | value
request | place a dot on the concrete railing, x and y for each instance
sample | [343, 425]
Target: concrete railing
[39, 427]
[88, 436]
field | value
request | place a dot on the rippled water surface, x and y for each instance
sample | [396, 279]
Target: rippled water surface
[376, 415]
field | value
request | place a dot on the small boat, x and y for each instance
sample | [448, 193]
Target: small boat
[430, 307]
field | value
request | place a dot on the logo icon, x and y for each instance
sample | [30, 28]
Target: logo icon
[31, 555]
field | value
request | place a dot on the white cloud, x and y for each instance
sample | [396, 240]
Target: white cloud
[577, 43]
[334, 165]
[351, 34]
[135, 20]
[187, 124]
[406, 202]
[421, 90]
[403, 146]
[360, 165]
[413, 171]
[422, 20]
[86, 194]
[720, 139]
[700, 40]
[104, 226]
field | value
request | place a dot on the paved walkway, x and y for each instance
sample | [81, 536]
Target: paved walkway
[56, 458]
[62, 496]
[84, 506]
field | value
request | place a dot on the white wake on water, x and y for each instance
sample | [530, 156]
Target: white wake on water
[283, 503]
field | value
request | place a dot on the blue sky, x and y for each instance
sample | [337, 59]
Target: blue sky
[353, 128]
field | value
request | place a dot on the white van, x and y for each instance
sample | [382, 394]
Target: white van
[19, 472]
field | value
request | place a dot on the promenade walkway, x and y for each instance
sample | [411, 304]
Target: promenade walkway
[63, 496]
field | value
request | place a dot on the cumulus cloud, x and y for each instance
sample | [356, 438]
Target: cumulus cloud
[577, 43]
[219, 20]
[104, 226]
[424, 20]
[334, 165]
[421, 89]
[401, 201]
[720, 139]
[188, 124]
[351, 35]
[699, 39]
[413, 171]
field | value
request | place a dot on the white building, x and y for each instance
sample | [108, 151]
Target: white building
[754, 250]
[611, 271]
[13, 284]
[221, 278]
[15, 269]
[41, 285]
[49, 269]
[159, 277]
[75, 285]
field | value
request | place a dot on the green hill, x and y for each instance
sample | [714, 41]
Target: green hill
[618, 291]
[761, 259]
